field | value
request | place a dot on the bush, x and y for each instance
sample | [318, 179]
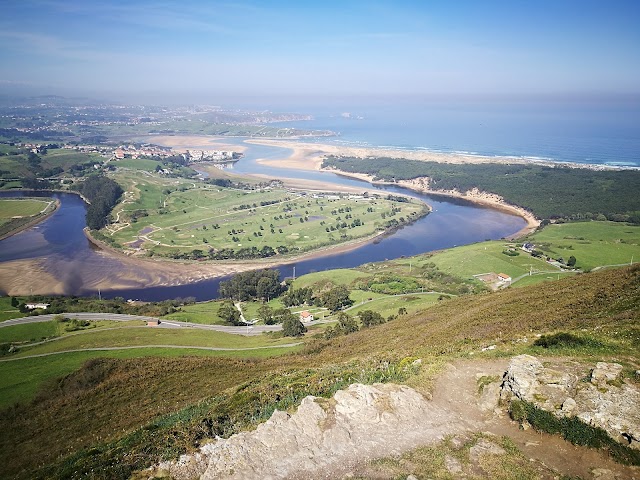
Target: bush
[573, 430]
[566, 340]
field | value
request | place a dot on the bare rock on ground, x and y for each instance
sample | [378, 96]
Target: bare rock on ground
[358, 424]
[603, 399]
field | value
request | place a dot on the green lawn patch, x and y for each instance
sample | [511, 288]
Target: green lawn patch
[141, 336]
[7, 311]
[28, 332]
[592, 243]
[204, 313]
[187, 220]
[390, 305]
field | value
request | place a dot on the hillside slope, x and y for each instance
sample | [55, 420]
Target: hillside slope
[115, 416]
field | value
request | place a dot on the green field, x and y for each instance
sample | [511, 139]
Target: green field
[7, 311]
[389, 305]
[593, 244]
[28, 207]
[21, 379]
[15, 214]
[183, 219]
[339, 276]
[204, 312]
[142, 336]
[15, 164]
[29, 332]
[486, 257]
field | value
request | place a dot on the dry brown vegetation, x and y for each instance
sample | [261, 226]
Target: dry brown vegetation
[101, 410]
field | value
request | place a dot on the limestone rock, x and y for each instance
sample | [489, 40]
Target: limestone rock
[521, 379]
[568, 406]
[605, 372]
[357, 424]
[485, 447]
[452, 464]
[601, 402]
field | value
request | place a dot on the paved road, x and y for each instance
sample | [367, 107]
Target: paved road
[251, 330]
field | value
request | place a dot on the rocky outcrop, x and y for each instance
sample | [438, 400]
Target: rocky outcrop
[597, 396]
[356, 425]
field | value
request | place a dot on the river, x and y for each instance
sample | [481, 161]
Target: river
[63, 250]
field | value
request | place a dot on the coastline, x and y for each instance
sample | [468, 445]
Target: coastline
[307, 156]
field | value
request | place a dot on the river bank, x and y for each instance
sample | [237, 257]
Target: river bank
[310, 156]
[41, 217]
[491, 200]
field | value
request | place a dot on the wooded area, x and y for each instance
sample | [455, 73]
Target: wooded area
[548, 192]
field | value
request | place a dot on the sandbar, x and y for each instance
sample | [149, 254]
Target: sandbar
[182, 143]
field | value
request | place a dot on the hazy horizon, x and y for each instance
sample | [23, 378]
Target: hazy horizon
[171, 52]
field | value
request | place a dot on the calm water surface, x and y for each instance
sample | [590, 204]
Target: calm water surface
[59, 242]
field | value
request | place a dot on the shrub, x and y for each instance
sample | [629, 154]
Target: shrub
[573, 430]
[566, 340]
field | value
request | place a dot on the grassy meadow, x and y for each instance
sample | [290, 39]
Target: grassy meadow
[28, 207]
[593, 244]
[7, 311]
[172, 216]
[14, 164]
[55, 360]
[116, 415]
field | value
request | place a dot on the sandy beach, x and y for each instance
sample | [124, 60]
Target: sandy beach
[181, 143]
[309, 157]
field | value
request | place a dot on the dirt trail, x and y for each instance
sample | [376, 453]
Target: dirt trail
[457, 391]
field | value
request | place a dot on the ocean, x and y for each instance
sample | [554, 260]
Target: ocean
[603, 131]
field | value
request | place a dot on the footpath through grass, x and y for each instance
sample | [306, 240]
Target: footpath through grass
[140, 336]
[115, 416]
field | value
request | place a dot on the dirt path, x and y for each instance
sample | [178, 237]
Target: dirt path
[456, 390]
[346, 434]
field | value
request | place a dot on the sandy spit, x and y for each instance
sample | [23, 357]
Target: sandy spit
[309, 157]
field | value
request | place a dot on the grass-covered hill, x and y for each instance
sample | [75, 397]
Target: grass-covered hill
[112, 416]
[548, 192]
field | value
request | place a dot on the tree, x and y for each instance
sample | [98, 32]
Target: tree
[267, 288]
[347, 323]
[265, 313]
[572, 261]
[336, 298]
[292, 326]
[370, 318]
[244, 286]
[229, 313]
[402, 311]
[14, 302]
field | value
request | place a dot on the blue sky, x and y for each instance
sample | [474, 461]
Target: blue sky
[187, 49]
